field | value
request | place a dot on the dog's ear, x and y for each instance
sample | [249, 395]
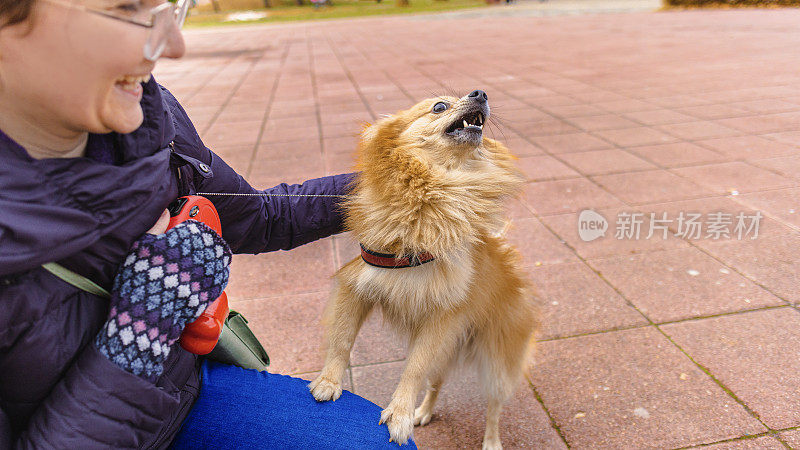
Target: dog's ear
[383, 133]
[369, 131]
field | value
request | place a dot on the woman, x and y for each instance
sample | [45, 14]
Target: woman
[92, 150]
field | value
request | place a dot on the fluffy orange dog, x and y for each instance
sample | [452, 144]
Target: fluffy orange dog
[427, 208]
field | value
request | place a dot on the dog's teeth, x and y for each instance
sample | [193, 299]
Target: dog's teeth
[465, 123]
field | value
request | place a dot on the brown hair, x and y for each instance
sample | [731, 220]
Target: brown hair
[14, 11]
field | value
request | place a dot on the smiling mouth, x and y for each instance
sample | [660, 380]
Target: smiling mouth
[132, 84]
[470, 124]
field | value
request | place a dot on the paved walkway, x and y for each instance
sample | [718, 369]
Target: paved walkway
[545, 8]
[660, 342]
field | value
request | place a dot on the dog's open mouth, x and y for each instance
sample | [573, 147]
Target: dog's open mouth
[469, 126]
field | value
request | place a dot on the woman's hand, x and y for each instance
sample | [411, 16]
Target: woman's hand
[161, 224]
[166, 281]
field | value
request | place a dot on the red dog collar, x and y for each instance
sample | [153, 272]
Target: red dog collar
[388, 261]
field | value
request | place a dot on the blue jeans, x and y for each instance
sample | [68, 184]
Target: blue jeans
[239, 408]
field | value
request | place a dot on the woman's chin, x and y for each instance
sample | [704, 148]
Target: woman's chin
[125, 120]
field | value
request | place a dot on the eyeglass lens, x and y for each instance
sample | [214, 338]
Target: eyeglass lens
[163, 21]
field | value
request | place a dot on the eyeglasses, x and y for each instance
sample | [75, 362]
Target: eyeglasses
[159, 19]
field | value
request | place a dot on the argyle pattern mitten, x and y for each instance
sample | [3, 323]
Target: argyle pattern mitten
[166, 281]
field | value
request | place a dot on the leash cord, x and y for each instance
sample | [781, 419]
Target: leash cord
[272, 195]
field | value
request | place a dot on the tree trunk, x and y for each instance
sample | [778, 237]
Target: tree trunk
[266, 4]
[403, 3]
[215, 4]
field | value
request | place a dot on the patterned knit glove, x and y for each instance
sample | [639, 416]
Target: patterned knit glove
[165, 282]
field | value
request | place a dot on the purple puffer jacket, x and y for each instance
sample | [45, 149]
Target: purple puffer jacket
[56, 390]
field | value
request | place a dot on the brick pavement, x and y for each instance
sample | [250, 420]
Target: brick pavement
[653, 342]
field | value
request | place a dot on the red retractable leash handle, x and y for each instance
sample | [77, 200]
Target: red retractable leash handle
[201, 336]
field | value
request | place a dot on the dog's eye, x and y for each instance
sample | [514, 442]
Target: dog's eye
[440, 107]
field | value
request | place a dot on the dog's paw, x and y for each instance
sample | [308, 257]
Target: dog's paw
[492, 444]
[324, 389]
[422, 416]
[399, 421]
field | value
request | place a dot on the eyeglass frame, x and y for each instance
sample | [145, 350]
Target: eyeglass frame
[180, 5]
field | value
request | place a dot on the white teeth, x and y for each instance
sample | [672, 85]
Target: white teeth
[465, 123]
[129, 79]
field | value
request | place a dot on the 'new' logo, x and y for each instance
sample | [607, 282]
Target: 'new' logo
[591, 225]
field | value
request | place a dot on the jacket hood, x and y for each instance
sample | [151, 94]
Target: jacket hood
[53, 208]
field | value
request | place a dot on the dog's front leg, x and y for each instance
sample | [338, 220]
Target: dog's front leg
[344, 316]
[431, 345]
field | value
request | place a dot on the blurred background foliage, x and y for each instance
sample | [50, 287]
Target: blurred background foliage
[216, 12]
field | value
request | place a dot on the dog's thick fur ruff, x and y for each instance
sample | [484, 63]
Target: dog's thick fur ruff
[419, 190]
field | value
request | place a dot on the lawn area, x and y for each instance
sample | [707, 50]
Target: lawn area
[288, 10]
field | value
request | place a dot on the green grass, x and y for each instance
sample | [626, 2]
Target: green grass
[725, 4]
[287, 10]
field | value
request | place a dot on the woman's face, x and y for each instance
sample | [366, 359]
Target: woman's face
[70, 71]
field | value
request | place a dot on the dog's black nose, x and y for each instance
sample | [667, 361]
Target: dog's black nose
[479, 95]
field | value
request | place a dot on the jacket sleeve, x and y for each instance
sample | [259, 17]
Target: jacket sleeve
[281, 221]
[262, 223]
